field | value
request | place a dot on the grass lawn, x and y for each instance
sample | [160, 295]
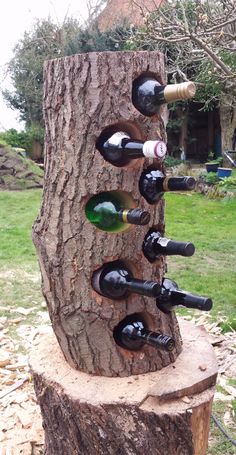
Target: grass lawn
[18, 211]
[19, 272]
[211, 271]
[210, 225]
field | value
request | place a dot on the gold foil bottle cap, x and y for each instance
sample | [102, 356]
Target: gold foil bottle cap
[182, 91]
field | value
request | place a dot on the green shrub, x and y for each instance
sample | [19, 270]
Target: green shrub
[3, 143]
[227, 183]
[210, 177]
[22, 139]
[218, 160]
[170, 161]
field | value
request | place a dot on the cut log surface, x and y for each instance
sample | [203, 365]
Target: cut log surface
[159, 413]
[82, 95]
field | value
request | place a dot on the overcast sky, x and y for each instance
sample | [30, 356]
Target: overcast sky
[16, 18]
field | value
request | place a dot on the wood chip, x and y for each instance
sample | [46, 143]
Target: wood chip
[17, 366]
[203, 367]
[22, 310]
[17, 385]
[16, 321]
[25, 418]
[4, 359]
[186, 399]
[222, 397]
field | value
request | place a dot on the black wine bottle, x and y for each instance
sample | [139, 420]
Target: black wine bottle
[119, 149]
[155, 245]
[171, 296]
[148, 94]
[106, 212]
[153, 183]
[115, 281]
[132, 334]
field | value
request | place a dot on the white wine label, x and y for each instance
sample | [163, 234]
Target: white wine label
[163, 241]
[154, 149]
[117, 137]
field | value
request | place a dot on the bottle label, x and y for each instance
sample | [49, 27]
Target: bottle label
[117, 137]
[163, 241]
[154, 149]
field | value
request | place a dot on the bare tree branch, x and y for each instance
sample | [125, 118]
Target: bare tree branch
[192, 32]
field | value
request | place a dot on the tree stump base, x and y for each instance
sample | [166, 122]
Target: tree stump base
[160, 413]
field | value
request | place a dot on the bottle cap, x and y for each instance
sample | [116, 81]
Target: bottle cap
[154, 149]
[190, 183]
[182, 91]
[182, 248]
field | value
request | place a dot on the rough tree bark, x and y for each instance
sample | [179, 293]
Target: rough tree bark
[228, 122]
[84, 94]
[160, 413]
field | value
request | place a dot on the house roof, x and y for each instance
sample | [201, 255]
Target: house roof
[116, 10]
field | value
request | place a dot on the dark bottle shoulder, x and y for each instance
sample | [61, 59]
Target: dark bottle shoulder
[147, 95]
[169, 285]
[152, 174]
[114, 154]
[150, 239]
[150, 185]
[116, 267]
[146, 85]
[125, 332]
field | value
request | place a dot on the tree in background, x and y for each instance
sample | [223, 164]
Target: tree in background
[23, 139]
[45, 41]
[198, 38]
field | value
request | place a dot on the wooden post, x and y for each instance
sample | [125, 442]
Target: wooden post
[83, 95]
[164, 412]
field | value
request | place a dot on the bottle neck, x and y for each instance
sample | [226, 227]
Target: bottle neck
[148, 94]
[176, 92]
[137, 331]
[122, 142]
[188, 300]
[171, 296]
[142, 287]
[131, 149]
[117, 282]
[168, 247]
[134, 216]
[153, 184]
[178, 183]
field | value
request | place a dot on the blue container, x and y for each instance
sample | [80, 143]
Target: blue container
[224, 172]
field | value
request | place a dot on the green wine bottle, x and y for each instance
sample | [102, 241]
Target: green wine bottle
[109, 212]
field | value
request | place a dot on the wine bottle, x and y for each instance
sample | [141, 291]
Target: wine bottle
[105, 211]
[119, 149]
[155, 245]
[153, 183]
[132, 334]
[115, 281]
[171, 296]
[148, 94]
